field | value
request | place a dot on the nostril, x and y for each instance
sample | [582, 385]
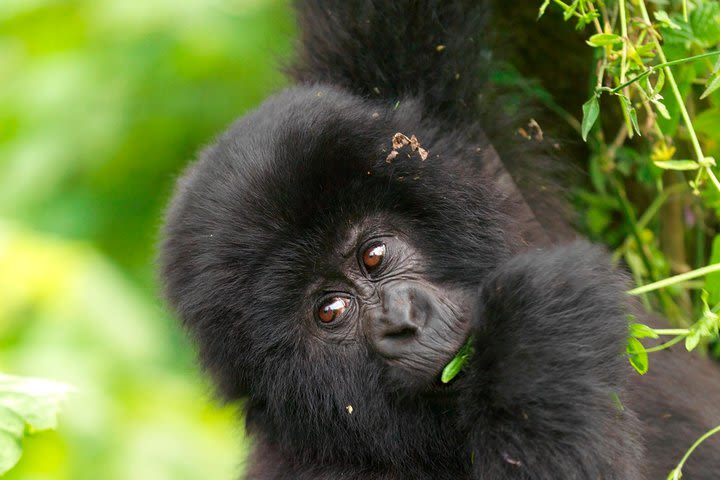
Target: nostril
[405, 333]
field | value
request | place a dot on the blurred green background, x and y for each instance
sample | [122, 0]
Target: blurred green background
[102, 103]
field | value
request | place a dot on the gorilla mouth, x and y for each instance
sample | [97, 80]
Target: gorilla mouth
[421, 368]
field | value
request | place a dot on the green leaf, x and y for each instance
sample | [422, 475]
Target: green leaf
[663, 18]
[570, 11]
[692, 340]
[637, 355]
[705, 22]
[638, 330]
[10, 451]
[660, 81]
[452, 369]
[542, 9]
[661, 108]
[26, 405]
[11, 422]
[591, 110]
[35, 400]
[710, 319]
[706, 328]
[458, 362]
[12, 428]
[604, 39]
[630, 114]
[713, 85]
[634, 120]
[646, 51]
[677, 164]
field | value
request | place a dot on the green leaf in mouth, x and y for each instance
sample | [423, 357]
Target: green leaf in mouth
[458, 362]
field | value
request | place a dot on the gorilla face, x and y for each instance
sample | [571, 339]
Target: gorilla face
[374, 292]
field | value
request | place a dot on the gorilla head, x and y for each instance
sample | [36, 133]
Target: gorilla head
[325, 278]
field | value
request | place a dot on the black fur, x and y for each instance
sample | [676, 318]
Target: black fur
[260, 221]
[548, 364]
[433, 50]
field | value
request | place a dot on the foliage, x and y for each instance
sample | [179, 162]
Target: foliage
[652, 123]
[659, 193]
[458, 362]
[102, 103]
[27, 405]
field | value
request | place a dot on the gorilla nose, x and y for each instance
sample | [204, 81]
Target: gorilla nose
[399, 320]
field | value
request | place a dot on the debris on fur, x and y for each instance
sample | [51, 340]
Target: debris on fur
[511, 460]
[401, 140]
[533, 132]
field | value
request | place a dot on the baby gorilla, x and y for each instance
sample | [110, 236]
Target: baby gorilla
[335, 249]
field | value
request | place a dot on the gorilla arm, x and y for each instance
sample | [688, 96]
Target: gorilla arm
[548, 370]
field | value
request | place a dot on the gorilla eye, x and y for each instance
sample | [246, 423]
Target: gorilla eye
[373, 256]
[332, 309]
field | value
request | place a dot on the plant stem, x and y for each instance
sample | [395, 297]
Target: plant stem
[707, 435]
[671, 331]
[715, 267]
[625, 39]
[596, 22]
[663, 65]
[665, 345]
[566, 7]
